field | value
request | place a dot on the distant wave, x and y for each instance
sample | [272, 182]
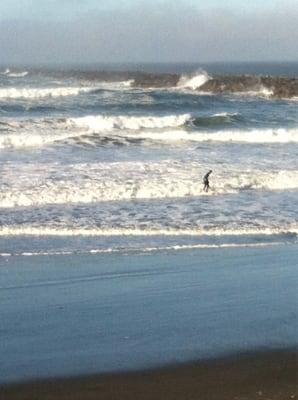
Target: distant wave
[122, 181]
[36, 93]
[61, 91]
[193, 82]
[113, 85]
[18, 74]
[10, 74]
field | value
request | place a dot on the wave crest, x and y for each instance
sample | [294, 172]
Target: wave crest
[17, 74]
[193, 82]
[37, 93]
[105, 123]
[99, 129]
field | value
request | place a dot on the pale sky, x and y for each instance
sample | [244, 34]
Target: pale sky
[88, 31]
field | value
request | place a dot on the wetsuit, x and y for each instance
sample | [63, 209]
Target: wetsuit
[206, 181]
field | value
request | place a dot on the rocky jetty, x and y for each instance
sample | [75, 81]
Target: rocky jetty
[273, 86]
[278, 87]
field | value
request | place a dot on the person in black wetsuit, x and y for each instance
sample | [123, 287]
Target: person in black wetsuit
[206, 181]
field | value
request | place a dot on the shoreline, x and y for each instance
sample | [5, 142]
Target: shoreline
[258, 375]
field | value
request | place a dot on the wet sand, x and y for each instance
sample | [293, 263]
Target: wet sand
[76, 316]
[259, 376]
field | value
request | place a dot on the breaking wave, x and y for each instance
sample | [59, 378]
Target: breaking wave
[10, 74]
[105, 123]
[158, 129]
[262, 91]
[27, 140]
[6, 72]
[193, 82]
[32, 133]
[37, 133]
[126, 129]
[37, 93]
[17, 74]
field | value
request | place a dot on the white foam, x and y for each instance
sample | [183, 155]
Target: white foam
[199, 231]
[225, 114]
[279, 135]
[36, 93]
[6, 72]
[266, 92]
[120, 181]
[193, 82]
[116, 84]
[17, 74]
[279, 180]
[211, 246]
[22, 141]
[34, 133]
[262, 91]
[127, 83]
[100, 123]
[161, 125]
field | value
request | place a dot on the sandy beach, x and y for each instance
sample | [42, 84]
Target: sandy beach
[208, 322]
[258, 376]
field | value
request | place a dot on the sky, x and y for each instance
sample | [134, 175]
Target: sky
[117, 31]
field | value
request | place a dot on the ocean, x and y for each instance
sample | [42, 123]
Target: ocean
[112, 256]
[97, 161]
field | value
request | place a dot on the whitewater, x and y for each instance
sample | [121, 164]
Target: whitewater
[94, 162]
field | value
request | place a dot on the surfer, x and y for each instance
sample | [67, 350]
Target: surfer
[206, 181]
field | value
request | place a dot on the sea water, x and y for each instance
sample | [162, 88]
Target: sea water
[90, 164]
